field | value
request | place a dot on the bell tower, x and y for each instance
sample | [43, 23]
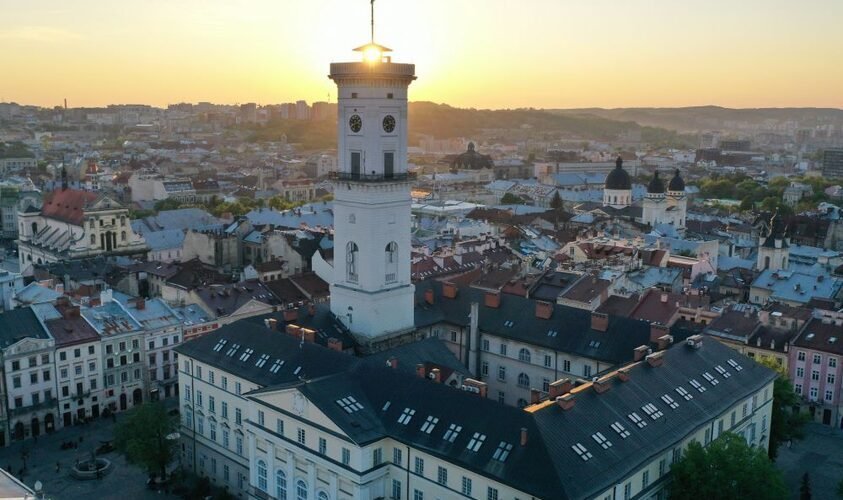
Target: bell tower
[371, 291]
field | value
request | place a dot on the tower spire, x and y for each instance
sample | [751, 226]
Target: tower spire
[372, 18]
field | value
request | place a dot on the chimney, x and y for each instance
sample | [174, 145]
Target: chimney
[664, 298]
[70, 312]
[566, 402]
[599, 321]
[560, 387]
[493, 300]
[436, 375]
[664, 342]
[428, 296]
[535, 396]
[335, 344]
[272, 324]
[523, 436]
[603, 383]
[420, 371]
[694, 341]
[544, 310]
[655, 359]
[291, 315]
[293, 330]
[623, 374]
[105, 296]
[658, 330]
[392, 362]
[140, 304]
[308, 335]
[449, 290]
[476, 386]
[640, 353]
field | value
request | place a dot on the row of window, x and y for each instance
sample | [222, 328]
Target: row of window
[109, 348]
[815, 375]
[212, 377]
[524, 355]
[301, 491]
[817, 359]
[33, 362]
[813, 393]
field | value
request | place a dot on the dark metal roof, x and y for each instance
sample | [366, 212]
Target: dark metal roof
[656, 185]
[676, 183]
[19, 324]
[618, 178]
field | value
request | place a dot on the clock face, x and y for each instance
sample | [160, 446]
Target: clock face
[388, 124]
[355, 123]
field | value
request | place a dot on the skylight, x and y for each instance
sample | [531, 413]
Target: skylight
[684, 393]
[246, 354]
[669, 401]
[232, 350]
[476, 441]
[621, 430]
[276, 366]
[406, 416]
[734, 364]
[651, 410]
[580, 450]
[262, 360]
[722, 371]
[502, 452]
[429, 424]
[297, 370]
[220, 345]
[349, 404]
[386, 405]
[452, 433]
[601, 440]
[508, 323]
[637, 420]
[710, 378]
[696, 385]
[594, 344]
[552, 333]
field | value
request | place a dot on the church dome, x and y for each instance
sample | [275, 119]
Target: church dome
[471, 159]
[656, 185]
[676, 184]
[618, 178]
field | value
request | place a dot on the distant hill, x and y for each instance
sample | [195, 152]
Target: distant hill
[699, 118]
[442, 121]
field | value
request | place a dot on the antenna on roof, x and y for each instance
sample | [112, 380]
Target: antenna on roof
[372, 18]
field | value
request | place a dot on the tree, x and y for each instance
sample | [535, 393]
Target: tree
[511, 199]
[785, 425]
[142, 435]
[728, 468]
[805, 488]
[556, 202]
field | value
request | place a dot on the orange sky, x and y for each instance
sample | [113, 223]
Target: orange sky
[468, 53]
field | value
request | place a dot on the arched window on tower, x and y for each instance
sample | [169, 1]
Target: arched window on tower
[122, 235]
[391, 256]
[93, 239]
[767, 262]
[34, 228]
[351, 251]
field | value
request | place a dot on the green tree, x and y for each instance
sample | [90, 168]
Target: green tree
[556, 202]
[168, 204]
[728, 468]
[511, 199]
[142, 435]
[805, 488]
[785, 425]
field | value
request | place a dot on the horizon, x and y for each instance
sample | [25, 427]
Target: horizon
[547, 54]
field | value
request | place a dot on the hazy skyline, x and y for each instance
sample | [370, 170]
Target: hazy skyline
[468, 53]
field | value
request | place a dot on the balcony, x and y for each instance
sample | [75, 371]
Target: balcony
[354, 177]
[49, 403]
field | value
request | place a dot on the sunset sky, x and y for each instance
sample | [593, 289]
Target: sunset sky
[468, 53]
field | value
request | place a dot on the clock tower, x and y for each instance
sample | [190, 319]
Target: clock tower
[371, 291]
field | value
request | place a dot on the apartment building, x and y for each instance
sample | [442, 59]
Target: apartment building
[315, 423]
[813, 366]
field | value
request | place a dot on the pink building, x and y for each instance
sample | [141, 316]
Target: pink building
[814, 359]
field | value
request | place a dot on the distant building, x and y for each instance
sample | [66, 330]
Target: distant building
[617, 192]
[794, 193]
[75, 224]
[669, 208]
[833, 163]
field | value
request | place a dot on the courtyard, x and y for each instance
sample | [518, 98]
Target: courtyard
[820, 454]
[41, 457]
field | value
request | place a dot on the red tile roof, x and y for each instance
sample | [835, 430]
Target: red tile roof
[67, 205]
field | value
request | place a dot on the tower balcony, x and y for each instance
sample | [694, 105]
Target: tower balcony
[372, 178]
[366, 70]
